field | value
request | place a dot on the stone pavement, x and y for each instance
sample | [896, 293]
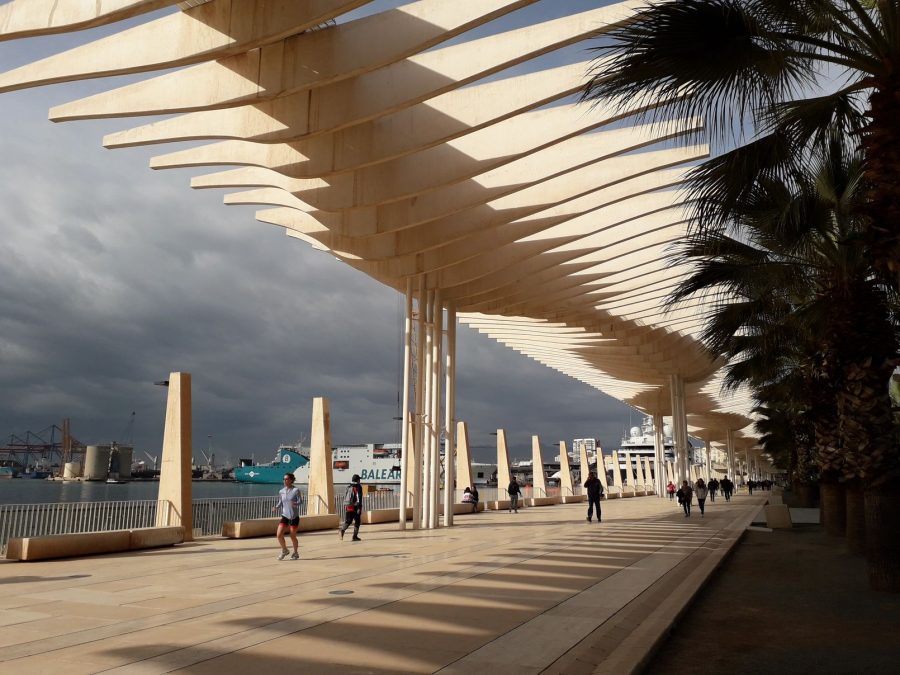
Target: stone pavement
[541, 591]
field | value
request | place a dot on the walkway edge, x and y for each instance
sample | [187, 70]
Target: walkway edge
[633, 653]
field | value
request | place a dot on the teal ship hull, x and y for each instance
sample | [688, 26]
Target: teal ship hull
[272, 474]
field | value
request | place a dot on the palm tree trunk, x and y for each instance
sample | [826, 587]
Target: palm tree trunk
[883, 537]
[856, 517]
[834, 508]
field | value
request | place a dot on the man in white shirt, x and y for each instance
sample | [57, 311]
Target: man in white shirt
[289, 500]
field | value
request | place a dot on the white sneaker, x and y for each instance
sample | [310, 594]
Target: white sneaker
[284, 554]
[295, 556]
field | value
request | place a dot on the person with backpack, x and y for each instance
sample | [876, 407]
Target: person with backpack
[670, 490]
[514, 491]
[594, 489]
[727, 488]
[685, 496]
[352, 508]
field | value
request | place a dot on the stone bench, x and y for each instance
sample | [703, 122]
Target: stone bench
[574, 499]
[463, 508]
[384, 516]
[72, 545]
[542, 501]
[266, 527]
[154, 537]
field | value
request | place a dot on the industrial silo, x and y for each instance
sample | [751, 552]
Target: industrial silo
[126, 455]
[96, 462]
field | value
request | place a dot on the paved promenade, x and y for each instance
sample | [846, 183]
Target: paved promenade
[541, 591]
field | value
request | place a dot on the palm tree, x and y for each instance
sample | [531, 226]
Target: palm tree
[787, 71]
[791, 75]
[796, 308]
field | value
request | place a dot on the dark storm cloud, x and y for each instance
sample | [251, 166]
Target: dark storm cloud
[113, 275]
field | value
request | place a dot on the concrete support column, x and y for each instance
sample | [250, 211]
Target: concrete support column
[601, 469]
[630, 480]
[659, 443]
[617, 472]
[449, 425]
[585, 467]
[419, 444]
[405, 440]
[729, 447]
[321, 471]
[437, 343]
[708, 448]
[503, 474]
[463, 456]
[175, 471]
[427, 413]
[538, 482]
[679, 428]
[566, 486]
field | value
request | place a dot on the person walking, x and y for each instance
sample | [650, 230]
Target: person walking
[289, 500]
[701, 491]
[670, 490]
[474, 499]
[685, 497]
[514, 491]
[594, 489]
[713, 488]
[352, 508]
[727, 488]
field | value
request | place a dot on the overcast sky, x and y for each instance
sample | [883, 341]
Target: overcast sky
[113, 275]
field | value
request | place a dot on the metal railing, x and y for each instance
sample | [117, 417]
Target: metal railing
[211, 514]
[37, 520]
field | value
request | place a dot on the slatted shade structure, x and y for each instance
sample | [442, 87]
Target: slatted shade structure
[431, 146]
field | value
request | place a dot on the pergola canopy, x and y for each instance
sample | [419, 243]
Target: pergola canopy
[410, 150]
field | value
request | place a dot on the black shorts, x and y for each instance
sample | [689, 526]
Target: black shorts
[293, 522]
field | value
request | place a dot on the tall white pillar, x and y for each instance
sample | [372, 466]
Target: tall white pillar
[449, 423]
[437, 343]
[175, 472]
[679, 424]
[729, 446]
[428, 445]
[708, 447]
[659, 468]
[405, 440]
[566, 486]
[419, 445]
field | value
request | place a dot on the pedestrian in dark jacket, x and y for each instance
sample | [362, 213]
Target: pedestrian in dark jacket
[594, 489]
[685, 496]
[514, 492]
[352, 508]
